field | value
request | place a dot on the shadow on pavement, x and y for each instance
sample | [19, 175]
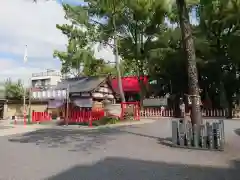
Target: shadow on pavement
[237, 131]
[163, 141]
[130, 169]
[80, 140]
[73, 140]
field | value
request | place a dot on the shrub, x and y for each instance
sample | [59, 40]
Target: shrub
[106, 120]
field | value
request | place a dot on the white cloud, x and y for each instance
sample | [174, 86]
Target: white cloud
[104, 52]
[9, 68]
[23, 22]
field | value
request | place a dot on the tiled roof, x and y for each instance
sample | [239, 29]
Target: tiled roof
[81, 84]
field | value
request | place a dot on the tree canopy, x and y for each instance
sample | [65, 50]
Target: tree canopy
[150, 43]
[14, 90]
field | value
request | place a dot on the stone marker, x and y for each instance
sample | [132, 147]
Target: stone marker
[206, 136]
[202, 134]
[218, 136]
[181, 134]
[175, 132]
[211, 144]
[189, 134]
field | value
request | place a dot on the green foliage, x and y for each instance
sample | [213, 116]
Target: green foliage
[79, 55]
[106, 120]
[14, 91]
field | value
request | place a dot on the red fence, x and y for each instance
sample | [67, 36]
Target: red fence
[85, 116]
[38, 117]
[157, 112]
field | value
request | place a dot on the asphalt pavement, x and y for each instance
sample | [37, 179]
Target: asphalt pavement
[121, 153]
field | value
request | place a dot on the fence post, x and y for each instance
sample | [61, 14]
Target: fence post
[90, 119]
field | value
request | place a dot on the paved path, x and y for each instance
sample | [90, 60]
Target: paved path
[125, 153]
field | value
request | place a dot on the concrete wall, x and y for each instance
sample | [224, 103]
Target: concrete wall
[54, 80]
[49, 80]
[17, 109]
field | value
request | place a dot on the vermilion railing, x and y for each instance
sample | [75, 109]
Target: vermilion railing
[38, 117]
[85, 116]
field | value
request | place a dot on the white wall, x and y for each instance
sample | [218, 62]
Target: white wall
[54, 80]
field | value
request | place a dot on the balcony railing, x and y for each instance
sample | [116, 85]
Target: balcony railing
[46, 74]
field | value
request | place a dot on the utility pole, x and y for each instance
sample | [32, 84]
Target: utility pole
[29, 102]
[24, 105]
[25, 59]
[67, 105]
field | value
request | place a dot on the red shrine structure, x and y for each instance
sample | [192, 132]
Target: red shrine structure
[131, 86]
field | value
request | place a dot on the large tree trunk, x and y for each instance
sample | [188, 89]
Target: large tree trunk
[189, 48]
[119, 76]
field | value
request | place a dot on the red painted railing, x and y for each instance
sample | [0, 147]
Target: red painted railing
[85, 116]
[38, 117]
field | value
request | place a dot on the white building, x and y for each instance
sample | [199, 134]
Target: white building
[45, 79]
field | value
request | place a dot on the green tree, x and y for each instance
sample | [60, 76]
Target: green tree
[14, 91]
[219, 20]
[189, 48]
[136, 24]
[79, 58]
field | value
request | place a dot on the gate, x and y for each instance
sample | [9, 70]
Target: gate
[130, 110]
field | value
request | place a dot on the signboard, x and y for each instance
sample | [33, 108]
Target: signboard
[49, 94]
[75, 94]
[85, 94]
[155, 102]
[98, 95]
[104, 90]
[86, 102]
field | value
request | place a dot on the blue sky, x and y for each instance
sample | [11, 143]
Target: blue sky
[72, 2]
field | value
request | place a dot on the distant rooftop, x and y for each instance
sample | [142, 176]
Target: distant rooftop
[47, 73]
